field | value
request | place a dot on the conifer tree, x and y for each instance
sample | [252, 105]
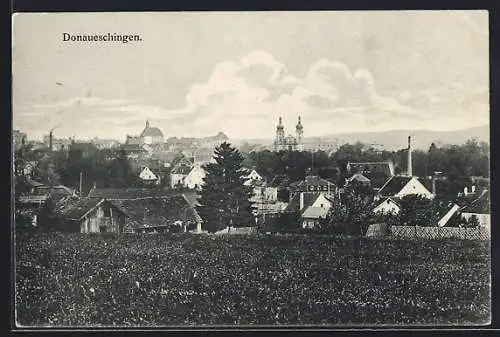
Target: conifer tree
[225, 200]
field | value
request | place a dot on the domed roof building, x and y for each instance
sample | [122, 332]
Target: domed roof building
[151, 135]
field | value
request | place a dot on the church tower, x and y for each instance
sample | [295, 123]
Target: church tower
[299, 132]
[279, 142]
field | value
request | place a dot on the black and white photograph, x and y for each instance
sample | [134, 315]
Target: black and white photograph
[251, 169]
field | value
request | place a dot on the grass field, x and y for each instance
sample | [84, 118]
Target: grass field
[155, 280]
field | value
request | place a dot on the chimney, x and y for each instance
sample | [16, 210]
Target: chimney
[50, 141]
[301, 205]
[409, 165]
[81, 181]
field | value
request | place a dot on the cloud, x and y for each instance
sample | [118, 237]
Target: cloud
[244, 98]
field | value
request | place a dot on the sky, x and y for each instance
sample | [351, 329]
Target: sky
[195, 74]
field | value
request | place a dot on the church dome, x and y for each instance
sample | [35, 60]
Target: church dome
[151, 131]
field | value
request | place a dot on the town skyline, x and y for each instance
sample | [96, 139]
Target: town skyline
[376, 73]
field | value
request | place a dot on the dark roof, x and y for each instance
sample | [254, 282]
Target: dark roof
[394, 185]
[54, 192]
[280, 181]
[311, 183]
[309, 199]
[181, 169]
[132, 147]
[481, 205]
[154, 212]
[76, 208]
[380, 167]
[152, 132]
[128, 193]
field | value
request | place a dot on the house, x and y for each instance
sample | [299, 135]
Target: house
[479, 208]
[252, 177]
[279, 184]
[113, 194]
[400, 186]
[377, 172]
[389, 205]
[89, 215]
[386, 167]
[359, 179]
[312, 184]
[178, 175]
[148, 176]
[55, 193]
[195, 178]
[312, 207]
[160, 214]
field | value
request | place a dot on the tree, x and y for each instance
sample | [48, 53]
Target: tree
[225, 200]
[417, 210]
[351, 212]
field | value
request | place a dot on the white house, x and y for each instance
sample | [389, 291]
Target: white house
[387, 206]
[312, 207]
[252, 177]
[194, 180]
[178, 175]
[147, 175]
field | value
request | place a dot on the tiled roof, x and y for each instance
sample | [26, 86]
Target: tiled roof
[309, 199]
[132, 147]
[128, 193]
[76, 208]
[280, 181]
[141, 193]
[394, 185]
[181, 169]
[155, 212]
[481, 205]
[381, 167]
[312, 183]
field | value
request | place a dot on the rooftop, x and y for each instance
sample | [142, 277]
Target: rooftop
[155, 212]
[394, 185]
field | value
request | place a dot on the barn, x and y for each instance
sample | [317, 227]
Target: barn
[89, 215]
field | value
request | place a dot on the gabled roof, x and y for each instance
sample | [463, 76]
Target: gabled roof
[481, 205]
[77, 208]
[394, 185]
[181, 169]
[315, 212]
[280, 181]
[156, 212]
[359, 178]
[309, 199]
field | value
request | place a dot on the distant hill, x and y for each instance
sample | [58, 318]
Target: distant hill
[395, 139]
[421, 139]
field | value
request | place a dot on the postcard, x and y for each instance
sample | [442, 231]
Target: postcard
[251, 169]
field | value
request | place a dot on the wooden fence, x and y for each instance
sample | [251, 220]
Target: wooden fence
[427, 233]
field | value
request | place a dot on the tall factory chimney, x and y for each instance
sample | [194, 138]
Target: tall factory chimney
[50, 140]
[409, 166]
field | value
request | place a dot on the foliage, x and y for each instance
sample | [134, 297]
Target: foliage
[458, 162]
[156, 280]
[224, 199]
[352, 211]
[417, 210]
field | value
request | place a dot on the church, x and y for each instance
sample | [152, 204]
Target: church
[149, 136]
[289, 143]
